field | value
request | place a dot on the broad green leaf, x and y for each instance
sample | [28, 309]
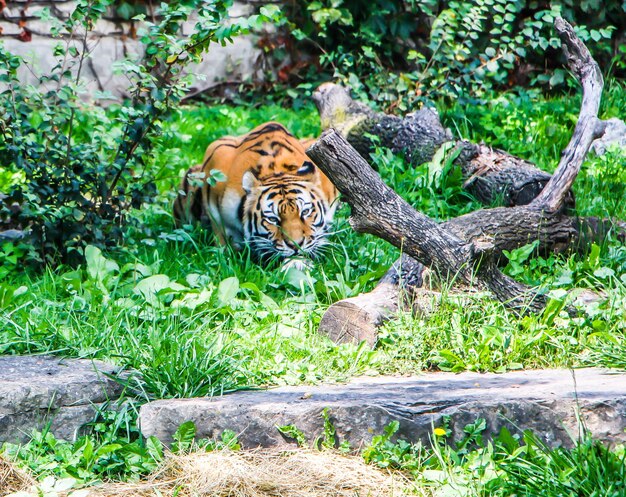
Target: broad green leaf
[227, 290]
[184, 436]
[152, 284]
[604, 273]
[98, 266]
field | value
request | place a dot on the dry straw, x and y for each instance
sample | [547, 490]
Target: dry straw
[12, 479]
[264, 474]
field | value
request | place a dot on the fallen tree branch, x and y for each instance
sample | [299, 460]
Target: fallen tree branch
[378, 210]
[491, 175]
[455, 247]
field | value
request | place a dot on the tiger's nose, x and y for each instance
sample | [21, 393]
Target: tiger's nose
[295, 244]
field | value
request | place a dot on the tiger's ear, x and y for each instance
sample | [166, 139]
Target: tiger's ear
[249, 181]
[307, 167]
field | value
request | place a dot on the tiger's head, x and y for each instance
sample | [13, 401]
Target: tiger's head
[286, 215]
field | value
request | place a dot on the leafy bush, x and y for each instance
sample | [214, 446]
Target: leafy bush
[78, 189]
[402, 50]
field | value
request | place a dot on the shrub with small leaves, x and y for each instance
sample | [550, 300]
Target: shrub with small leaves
[78, 188]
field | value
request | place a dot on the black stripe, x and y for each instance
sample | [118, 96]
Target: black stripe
[288, 180]
[283, 145]
[196, 207]
[215, 150]
[240, 208]
[259, 151]
[268, 128]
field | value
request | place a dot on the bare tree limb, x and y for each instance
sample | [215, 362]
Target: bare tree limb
[588, 127]
[378, 210]
[470, 242]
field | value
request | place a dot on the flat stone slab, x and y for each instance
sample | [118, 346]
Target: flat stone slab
[548, 402]
[37, 390]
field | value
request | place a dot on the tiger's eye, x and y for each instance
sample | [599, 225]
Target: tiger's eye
[272, 220]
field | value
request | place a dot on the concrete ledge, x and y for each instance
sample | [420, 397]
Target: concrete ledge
[548, 402]
[39, 390]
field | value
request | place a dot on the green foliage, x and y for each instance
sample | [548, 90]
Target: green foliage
[183, 437]
[399, 51]
[398, 454]
[113, 448]
[185, 440]
[11, 254]
[293, 432]
[590, 468]
[504, 466]
[435, 189]
[518, 258]
[328, 439]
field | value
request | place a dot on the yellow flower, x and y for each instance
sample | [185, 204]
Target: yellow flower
[440, 432]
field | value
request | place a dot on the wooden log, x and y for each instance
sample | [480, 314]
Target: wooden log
[495, 177]
[505, 228]
[357, 319]
[378, 210]
[588, 127]
[491, 175]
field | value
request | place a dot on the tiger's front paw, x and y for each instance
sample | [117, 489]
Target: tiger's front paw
[299, 263]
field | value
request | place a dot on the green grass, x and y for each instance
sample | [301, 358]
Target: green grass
[196, 319]
[507, 465]
[216, 321]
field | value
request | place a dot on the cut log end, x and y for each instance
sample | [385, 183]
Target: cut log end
[358, 318]
[348, 322]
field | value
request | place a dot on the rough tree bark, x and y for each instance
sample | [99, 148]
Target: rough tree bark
[462, 245]
[491, 175]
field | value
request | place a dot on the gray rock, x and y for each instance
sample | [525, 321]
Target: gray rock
[37, 390]
[548, 402]
[10, 28]
[11, 235]
[615, 134]
[111, 42]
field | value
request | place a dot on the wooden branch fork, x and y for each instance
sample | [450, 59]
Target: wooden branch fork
[465, 249]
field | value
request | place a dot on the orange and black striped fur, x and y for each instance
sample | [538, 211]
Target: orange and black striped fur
[274, 198]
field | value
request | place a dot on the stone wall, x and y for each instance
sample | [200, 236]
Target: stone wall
[24, 33]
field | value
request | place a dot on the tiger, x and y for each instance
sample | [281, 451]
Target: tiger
[274, 198]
